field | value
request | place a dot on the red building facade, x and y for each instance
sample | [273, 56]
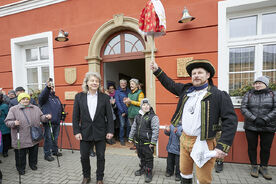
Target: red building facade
[238, 37]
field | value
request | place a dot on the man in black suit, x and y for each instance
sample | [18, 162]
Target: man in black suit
[92, 124]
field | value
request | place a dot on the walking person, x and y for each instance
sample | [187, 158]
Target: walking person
[259, 111]
[120, 94]
[144, 133]
[92, 124]
[200, 108]
[24, 115]
[173, 149]
[6, 131]
[50, 104]
[133, 101]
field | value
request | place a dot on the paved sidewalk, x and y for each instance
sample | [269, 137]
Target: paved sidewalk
[120, 166]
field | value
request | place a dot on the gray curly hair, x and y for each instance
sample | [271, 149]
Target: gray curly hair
[87, 77]
[136, 81]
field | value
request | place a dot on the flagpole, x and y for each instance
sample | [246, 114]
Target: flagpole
[152, 59]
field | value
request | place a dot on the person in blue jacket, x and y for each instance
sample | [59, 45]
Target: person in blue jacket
[173, 148]
[121, 93]
[50, 104]
[6, 131]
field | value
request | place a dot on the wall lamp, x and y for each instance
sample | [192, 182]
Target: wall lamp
[186, 16]
[62, 36]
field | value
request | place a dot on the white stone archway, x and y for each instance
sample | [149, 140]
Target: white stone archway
[118, 23]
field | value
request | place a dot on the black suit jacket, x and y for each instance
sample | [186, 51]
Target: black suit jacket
[103, 120]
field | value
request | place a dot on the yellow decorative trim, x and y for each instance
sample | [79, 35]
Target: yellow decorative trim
[226, 147]
[179, 114]
[159, 73]
[203, 136]
[208, 118]
[201, 61]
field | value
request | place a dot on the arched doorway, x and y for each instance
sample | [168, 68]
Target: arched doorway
[118, 24]
[123, 58]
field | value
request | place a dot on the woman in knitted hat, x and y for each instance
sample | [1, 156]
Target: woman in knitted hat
[259, 111]
[23, 116]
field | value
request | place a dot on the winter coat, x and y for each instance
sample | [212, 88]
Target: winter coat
[120, 94]
[50, 104]
[216, 105]
[173, 145]
[145, 128]
[260, 104]
[34, 115]
[4, 109]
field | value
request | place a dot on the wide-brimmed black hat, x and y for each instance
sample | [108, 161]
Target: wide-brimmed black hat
[201, 63]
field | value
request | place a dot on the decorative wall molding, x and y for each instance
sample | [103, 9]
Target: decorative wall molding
[25, 5]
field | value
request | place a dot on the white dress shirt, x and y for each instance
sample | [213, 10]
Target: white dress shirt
[92, 101]
[191, 116]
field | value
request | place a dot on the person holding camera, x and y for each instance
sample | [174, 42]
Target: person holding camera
[50, 104]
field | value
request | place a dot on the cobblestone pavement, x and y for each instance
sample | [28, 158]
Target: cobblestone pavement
[120, 166]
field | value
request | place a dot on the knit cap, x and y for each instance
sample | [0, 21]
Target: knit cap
[145, 100]
[12, 91]
[262, 79]
[23, 95]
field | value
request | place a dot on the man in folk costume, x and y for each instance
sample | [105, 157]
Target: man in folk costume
[202, 110]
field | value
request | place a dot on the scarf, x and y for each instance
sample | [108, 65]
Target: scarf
[112, 94]
[197, 88]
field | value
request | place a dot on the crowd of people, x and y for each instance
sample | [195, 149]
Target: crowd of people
[20, 116]
[202, 128]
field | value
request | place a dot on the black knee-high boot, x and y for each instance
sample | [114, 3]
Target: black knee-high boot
[1, 177]
[186, 181]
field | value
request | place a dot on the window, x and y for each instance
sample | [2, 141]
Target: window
[37, 67]
[244, 63]
[32, 61]
[247, 42]
[123, 45]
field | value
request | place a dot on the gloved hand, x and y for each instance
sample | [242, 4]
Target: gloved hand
[260, 122]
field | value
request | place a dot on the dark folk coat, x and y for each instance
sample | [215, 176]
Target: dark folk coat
[217, 111]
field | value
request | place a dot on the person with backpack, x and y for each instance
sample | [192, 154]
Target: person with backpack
[259, 110]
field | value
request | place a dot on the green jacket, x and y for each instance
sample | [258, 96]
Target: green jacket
[133, 109]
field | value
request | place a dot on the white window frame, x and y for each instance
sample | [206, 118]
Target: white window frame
[18, 47]
[36, 64]
[25, 5]
[234, 9]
